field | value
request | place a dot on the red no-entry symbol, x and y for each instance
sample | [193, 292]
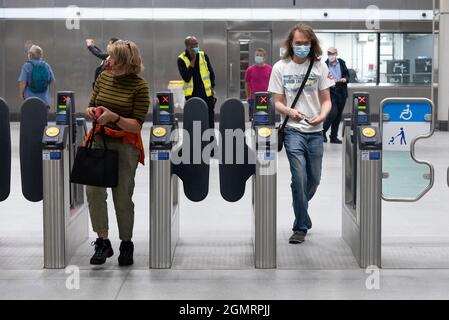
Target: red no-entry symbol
[263, 99]
[65, 98]
[164, 99]
[362, 99]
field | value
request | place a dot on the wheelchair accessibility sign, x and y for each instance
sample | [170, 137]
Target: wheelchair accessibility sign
[403, 121]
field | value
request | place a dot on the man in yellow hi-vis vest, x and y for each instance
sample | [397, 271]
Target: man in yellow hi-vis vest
[199, 78]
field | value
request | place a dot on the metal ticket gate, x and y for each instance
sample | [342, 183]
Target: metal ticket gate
[172, 159]
[5, 151]
[188, 160]
[362, 185]
[253, 157]
[65, 210]
[380, 163]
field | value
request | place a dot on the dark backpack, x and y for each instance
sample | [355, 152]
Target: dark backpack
[40, 76]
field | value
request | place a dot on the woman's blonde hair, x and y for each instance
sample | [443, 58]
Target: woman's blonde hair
[126, 55]
[315, 50]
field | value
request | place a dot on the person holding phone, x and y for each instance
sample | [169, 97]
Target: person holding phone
[304, 129]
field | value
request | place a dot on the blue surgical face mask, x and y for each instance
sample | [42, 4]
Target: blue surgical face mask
[197, 50]
[302, 51]
[259, 60]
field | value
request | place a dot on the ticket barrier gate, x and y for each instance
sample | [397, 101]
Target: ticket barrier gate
[256, 158]
[65, 210]
[173, 159]
[188, 160]
[362, 185]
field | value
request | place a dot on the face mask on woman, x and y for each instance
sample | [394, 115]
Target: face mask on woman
[302, 51]
[259, 60]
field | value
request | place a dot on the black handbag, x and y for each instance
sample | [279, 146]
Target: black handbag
[95, 167]
[281, 128]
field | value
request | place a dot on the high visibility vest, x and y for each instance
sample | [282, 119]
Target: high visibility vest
[205, 75]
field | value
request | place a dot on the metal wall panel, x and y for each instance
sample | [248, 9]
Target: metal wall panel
[215, 34]
[74, 65]
[79, 3]
[168, 44]
[19, 35]
[2, 59]
[142, 33]
[28, 3]
[304, 4]
[160, 42]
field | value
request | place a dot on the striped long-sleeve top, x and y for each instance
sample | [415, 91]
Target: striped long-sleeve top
[126, 95]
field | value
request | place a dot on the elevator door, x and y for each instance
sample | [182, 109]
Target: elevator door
[242, 46]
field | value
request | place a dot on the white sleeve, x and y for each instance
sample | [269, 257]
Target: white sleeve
[276, 85]
[326, 77]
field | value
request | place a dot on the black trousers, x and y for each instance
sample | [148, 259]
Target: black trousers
[210, 101]
[334, 119]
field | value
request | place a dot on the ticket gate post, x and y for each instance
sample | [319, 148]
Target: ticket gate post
[65, 211]
[265, 183]
[64, 229]
[362, 185]
[260, 164]
[164, 185]
[65, 116]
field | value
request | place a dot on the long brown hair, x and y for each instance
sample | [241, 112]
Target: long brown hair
[126, 55]
[315, 50]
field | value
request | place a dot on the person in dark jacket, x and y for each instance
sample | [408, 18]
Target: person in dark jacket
[100, 54]
[339, 94]
[198, 75]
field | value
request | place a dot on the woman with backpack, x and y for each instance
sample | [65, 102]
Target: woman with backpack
[36, 77]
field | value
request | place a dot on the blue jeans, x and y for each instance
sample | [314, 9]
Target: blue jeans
[305, 154]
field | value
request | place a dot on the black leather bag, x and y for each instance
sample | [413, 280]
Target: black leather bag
[281, 128]
[95, 167]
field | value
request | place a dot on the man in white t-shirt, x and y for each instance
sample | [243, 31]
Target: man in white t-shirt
[304, 131]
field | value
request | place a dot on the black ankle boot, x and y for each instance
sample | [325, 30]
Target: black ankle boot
[103, 250]
[126, 254]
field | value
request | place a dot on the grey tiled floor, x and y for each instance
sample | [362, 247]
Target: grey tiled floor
[214, 259]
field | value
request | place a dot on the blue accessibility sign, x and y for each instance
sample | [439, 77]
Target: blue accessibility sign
[408, 111]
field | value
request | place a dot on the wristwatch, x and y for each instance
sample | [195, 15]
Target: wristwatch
[118, 120]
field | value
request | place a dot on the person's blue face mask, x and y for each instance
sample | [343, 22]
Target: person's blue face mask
[197, 50]
[302, 51]
[259, 60]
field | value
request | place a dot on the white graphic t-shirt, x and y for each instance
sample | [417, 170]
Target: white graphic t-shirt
[286, 79]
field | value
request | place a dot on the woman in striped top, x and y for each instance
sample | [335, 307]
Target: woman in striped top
[123, 99]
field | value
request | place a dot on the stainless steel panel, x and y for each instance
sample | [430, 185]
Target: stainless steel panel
[160, 43]
[141, 32]
[362, 225]
[73, 64]
[169, 44]
[379, 93]
[241, 49]
[28, 3]
[369, 210]
[215, 43]
[79, 3]
[19, 36]
[265, 215]
[56, 208]
[164, 214]
[2, 59]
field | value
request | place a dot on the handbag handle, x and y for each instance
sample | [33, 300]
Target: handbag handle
[92, 136]
[301, 89]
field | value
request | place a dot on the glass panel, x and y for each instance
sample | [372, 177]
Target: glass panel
[358, 50]
[404, 120]
[406, 58]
